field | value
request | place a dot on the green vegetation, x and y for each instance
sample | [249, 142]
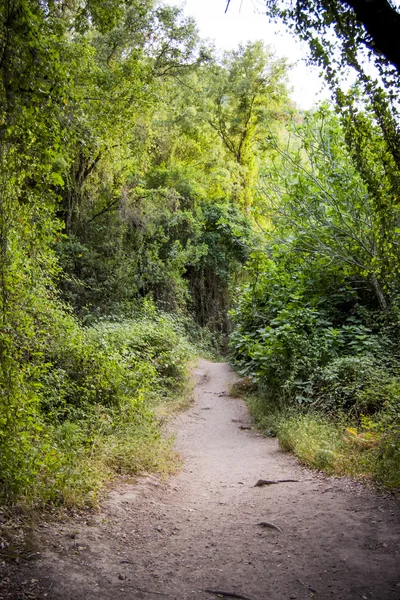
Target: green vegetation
[121, 232]
[316, 324]
[364, 449]
[90, 410]
[146, 182]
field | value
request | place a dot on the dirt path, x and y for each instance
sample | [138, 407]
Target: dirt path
[338, 540]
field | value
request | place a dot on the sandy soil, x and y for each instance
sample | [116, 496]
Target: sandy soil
[337, 539]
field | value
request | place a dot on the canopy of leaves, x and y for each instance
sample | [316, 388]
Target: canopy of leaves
[341, 29]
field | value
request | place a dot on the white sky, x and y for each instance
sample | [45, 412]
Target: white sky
[244, 21]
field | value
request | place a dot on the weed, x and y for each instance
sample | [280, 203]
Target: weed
[367, 450]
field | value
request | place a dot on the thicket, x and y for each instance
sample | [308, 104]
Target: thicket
[316, 325]
[86, 411]
[317, 322]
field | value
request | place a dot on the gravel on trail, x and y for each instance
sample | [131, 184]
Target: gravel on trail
[210, 531]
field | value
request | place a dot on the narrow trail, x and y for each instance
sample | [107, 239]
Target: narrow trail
[338, 540]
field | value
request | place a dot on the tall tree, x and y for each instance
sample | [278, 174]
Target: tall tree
[247, 96]
[369, 24]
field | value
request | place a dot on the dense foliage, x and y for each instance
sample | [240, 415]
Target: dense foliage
[316, 325]
[90, 409]
[120, 199]
[145, 181]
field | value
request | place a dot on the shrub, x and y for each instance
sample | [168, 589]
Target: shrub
[86, 399]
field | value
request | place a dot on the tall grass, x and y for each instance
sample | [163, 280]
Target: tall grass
[368, 449]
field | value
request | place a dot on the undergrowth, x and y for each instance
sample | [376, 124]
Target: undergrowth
[93, 401]
[366, 448]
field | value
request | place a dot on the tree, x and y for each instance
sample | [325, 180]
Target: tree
[382, 24]
[114, 91]
[373, 25]
[320, 204]
[344, 34]
[246, 97]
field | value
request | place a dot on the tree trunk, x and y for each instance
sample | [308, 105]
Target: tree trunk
[379, 292]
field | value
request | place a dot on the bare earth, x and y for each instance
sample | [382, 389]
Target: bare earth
[338, 540]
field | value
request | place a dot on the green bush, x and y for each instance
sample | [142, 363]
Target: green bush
[158, 342]
[294, 339]
[343, 382]
[81, 409]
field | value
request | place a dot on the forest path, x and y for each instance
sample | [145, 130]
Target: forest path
[152, 540]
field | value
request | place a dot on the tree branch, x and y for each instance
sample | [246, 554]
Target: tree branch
[110, 206]
[382, 23]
